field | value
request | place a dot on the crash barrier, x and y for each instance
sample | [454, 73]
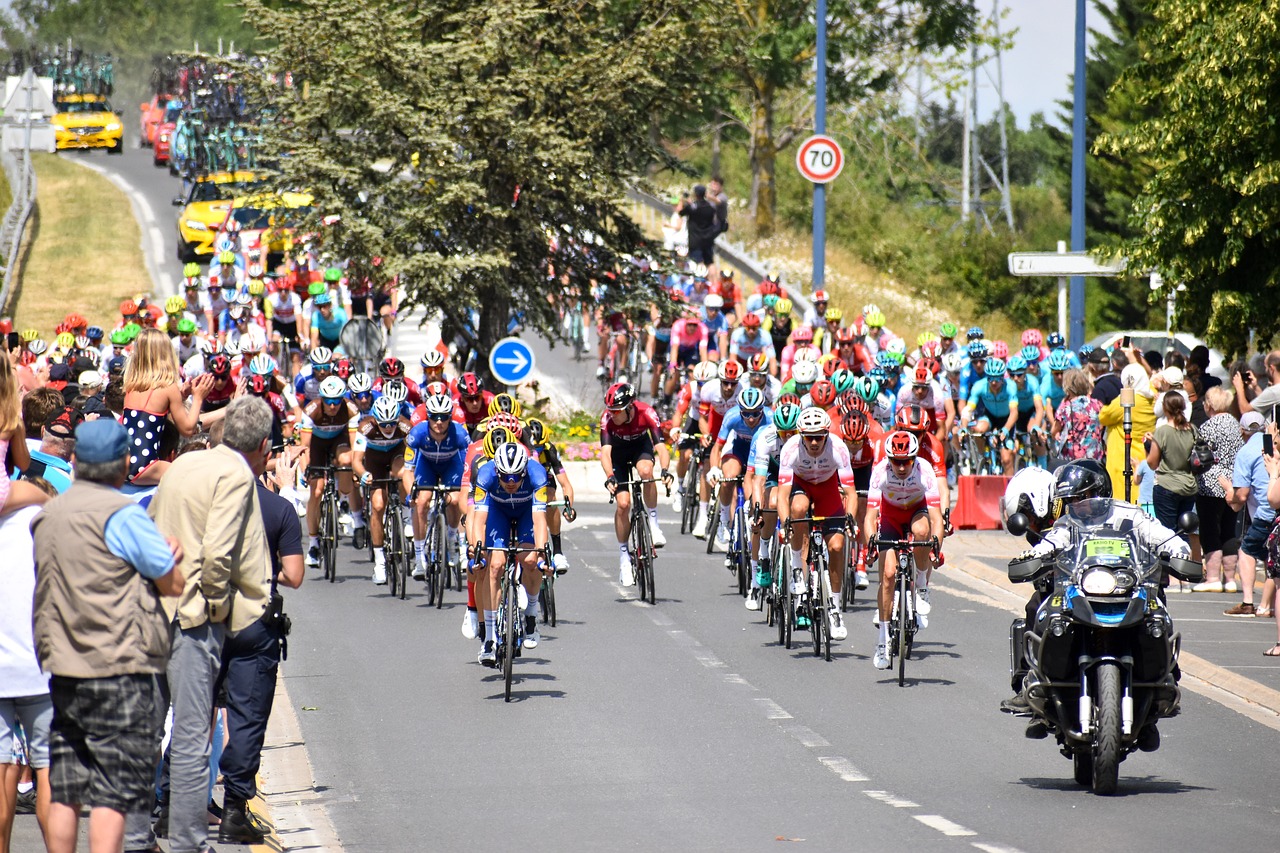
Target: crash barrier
[22, 183]
[978, 502]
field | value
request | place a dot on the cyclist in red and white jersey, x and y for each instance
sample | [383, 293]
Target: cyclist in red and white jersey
[713, 401]
[864, 439]
[814, 471]
[903, 502]
[925, 392]
[630, 436]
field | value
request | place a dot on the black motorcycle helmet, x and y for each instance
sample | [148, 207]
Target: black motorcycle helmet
[1078, 481]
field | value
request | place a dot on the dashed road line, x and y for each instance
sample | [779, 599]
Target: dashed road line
[773, 710]
[843, 768]
[892, 800]
[946, 827]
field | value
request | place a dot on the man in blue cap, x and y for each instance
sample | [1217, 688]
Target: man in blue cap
[102, 635]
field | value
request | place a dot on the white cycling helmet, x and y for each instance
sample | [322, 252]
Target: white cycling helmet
[704, 371]
[814, 421]
[321, 355]
[395, 390]
[432, 359]
[359, 383]
[262, 364]
[439, 404]
[805, 373]
[511, 458]
[953, 362]
[713, 301]
[897, 346]
[807, 353]
[386, 410]
[333, 388]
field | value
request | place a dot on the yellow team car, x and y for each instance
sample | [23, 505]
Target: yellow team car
[204, 209]
[265, 222]
[87, 121]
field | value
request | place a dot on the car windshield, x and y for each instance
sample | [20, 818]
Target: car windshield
[208, 191]
[252, 218]
[84, 107]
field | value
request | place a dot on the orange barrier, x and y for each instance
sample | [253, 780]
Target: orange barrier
[978, 502]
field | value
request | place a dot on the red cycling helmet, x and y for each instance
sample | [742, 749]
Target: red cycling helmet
[844, 335]
[343, 368]
[792, 399]
[935, 366]
[751, 321]
[823, 393]
[220, 365]
[433, 388]
[831, 365]
[853, 426]
[391, 368]
[912, 418]
[768, 287]
[922, 375]
[729, 371]
[901, 445]
[758, 363]
[469, 385]
[621, 395]
[851, 402]
[258, 384]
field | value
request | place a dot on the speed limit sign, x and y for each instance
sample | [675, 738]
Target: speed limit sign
[820, 159]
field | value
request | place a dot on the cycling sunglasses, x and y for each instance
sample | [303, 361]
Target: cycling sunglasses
[752, 416]
[332, 401]
[815, 439]
[440, 419]
[512, 479]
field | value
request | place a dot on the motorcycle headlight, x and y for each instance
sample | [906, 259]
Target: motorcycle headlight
[1098, 582]
[196, 225]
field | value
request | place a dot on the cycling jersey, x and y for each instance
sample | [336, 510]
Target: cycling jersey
[995, 403]
[882, 408]
[689, 332]
[715, 325]
[1026, 394]
[285, 306]
[919, 486]
[1051, 392]
[330, 329]
[763, 454]
[969, 376]
[743, 346]
[772, 388]
[795, 462]
[370, 437]
[931, 401]
[643, 422]
[738, 433]
[531, 496]
[439, 461]
[549, 457]
[323, 425]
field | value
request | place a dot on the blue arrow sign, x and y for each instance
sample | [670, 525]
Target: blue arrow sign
[511, 361]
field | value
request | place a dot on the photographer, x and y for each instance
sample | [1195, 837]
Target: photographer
[1250, 394]
[704, 226]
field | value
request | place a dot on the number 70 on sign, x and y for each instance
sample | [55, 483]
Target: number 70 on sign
[819, 159]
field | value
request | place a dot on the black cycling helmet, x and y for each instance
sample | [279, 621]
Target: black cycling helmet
[1084, 478]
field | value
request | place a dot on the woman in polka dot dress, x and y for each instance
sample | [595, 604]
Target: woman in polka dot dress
[154, 402]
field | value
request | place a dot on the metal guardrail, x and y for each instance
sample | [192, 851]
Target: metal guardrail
[22, 184]
[654, 211]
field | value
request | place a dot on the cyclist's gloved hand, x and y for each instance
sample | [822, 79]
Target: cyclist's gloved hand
[668, 477]
[366, 478]
[570, 513]
[714, 475]
[612, 485]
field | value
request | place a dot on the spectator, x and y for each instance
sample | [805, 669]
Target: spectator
[14, 495]
[208, 500]
[1195, 393]
[52, 460]
[1217, 520]
[1145, 479]
[37, 407]
[1144, 421]
[1273, 566]
[1198, 366]
[1076, 421]
[251, 657]
[1169, 455]
[1169, 381]
[155, 403]
[1248, 483]
[703, 227]
[1248, 389]
[1105, 372]
[100, 632]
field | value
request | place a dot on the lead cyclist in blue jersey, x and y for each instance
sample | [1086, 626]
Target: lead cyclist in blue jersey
[510, 488]
[437, 450]
[999, 404]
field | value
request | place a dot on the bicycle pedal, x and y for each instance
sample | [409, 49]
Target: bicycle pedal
[560, 572]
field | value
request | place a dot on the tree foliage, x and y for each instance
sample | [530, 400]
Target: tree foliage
[1208, 213]
[468, 146]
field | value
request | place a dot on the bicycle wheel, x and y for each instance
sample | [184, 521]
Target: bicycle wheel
[643, 558]
[824, 605]
[742, 552]
[510, 635]
[689, 511]
[397, 545]
[329, 536]
[786, 605]
[653, 598]
[388, 553]
[713, 521]
[904, 625]
[818, 626]
[438, 570]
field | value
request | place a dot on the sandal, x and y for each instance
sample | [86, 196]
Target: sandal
[1273, 652]
[1264, 613]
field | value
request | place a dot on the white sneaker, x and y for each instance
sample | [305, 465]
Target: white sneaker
[677, 501]
[655, 532]
[470, 624]
[859, 580]
[922, 601]
[379, 573]
[797, 582]
[753, 599]
[700, 530]
[419, 569]
[836, 621]
[626, 576]
[488, 654]
[881, 660]
[599, 371]
[531, 635]
[722, 538]
[560, 563]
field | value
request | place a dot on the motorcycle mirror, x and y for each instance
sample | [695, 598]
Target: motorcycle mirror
[1018, 524]
[1188, 522]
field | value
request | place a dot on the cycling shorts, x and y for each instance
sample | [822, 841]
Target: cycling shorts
[824, 500]
[379, 462]
[689, 428]
[660, 350]
[627, 454]
[324, 451]
[896, 521]
[687, 356]
[287, 330]
[497, 528]
[739, 449]
[447, 473]
[1024, 421]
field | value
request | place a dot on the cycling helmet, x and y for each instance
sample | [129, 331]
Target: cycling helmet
[495, 438]
[851, 402]
[805, 373]
[953, 362]
[386, 410]
[36, 346]
[843, 380]
[922, 375]
[227, 257]
[784, 307]
[65, 340]
[469, 385]
[237, 312]
[977, 349]
[1031, 338]
[924, 338]
[333, 275]
[82, 342]
[830, 366]
[897, 346]
[932, 365]
[713, 301]
[1059, 361]
[209, 347]
[258, 385]
[432, 359]
[807, 353]
[975, 333]
[186, 326]
[535, 431]
[814, 421]
[704, 371]
[912, 418]
[786, 417]
[751, 321]
[128, 307]
[119, 337]
[833, 315]
[854, 427]
[867, 388]
[931, 349]
[948, 330]
[769, 286]
[316, 288]
[30, 335]
[1030, 353]
[823, 393]
[342, 367]
[1000, 350]
[1029, 492]
[886, 360]
[759, 363]
[506, 420]
[619, 396]
[322, 298]
[1017, 365]
[132, 330]
[95, 333]
[751, 400]
[845, 335]
[262, 364]
[995, 368]
[1085, 351]
[391, 368]
[789, 400]
[820, 296]
[771, 301]
[233, 347]
[321, 357]
[729, 371]
[395, 389]
[359, 383]
[802, 334]
[901, 445]
[175, 305]
[256, 287]
[1055, 341]
[874, 320]
[504, 402]
[439, 404]
[511, 459]
[220, 365]
[332, 389]
[437, 387]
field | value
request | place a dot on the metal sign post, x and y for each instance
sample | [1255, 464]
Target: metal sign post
[820, 127]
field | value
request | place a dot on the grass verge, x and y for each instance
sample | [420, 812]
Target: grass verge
[83, 249]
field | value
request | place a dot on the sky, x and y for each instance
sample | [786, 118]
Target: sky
[1038, 68]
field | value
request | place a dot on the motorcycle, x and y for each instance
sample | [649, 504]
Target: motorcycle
[1102, 656]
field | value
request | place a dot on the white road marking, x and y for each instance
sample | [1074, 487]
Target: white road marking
[773, 710]
[891, 800]
[660, 619]
[709, 660]
[734, 678]
[995, 848]
[806, 736]
[843, 768]
[943, 825]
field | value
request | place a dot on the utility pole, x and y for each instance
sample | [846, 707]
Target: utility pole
[820, 128]
[1077, 179]
[1006, 200]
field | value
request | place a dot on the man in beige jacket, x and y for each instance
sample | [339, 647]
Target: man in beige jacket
[208, 501]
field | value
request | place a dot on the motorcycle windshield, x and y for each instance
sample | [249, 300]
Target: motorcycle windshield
[1113, 551]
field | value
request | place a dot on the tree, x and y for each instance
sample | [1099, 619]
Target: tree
[477, 148]
[1208, 215]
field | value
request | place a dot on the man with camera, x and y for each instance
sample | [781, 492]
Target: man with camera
[1251, 394]
[703, 215]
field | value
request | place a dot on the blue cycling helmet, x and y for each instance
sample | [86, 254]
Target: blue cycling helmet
[995, 369]
[1085, 351]
[879, 375]
[94, 333]
[1017, 364]
[975, 333]
[751, 400]
[977, 349]
[1031, 354]
[1055, 341]
[885, 360]
[1059, 360]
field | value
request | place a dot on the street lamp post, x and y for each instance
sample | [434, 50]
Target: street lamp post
[1077, 180]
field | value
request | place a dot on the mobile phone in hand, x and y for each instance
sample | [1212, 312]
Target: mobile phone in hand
[1268, 444]
[1126, 342]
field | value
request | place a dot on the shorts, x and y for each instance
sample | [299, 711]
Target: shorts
[896, 521]
[660, 350]
[360, 306]
[1024, 420]
[627, 453]
[331, 343]
[687, 356]
[35, 713]
[286, 329]
[689, 428]
[1254, 542]
[497, 529]
[324, 451]
[378, 462]
[449, 473]
[862, 478]
[824, 500]
[105, 741]
[739, 450]
[381, 300]
[703, 253]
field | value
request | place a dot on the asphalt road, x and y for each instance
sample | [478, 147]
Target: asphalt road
[684, 726]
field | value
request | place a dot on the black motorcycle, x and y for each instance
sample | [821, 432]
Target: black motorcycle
[1102, 656]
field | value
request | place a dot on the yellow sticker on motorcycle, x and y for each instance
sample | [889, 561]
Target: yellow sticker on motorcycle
[1106, 548]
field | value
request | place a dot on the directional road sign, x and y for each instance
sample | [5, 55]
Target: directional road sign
[1062, 264]
[820, 159]
[511, 361]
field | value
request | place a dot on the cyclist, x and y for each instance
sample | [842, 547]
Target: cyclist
[474, 401]
[999, 403]
[306, 385]
[187, 344]
[541, 448]
[762, 476]
[816, 310]
[685, 436]
[714, 400]
[612, 326]
[778, 324]
[378, 454]
[947, 333]
[510, 488]
[865, 441]
[759, 376]
[815, 471]
[285, 307]
[432, 362]
[801, 339]
[925, 392]
[903, 502]
[738, 428]
[1051, 393]
[728, 290]
[717, 326]
[850, 349]
[801, 381]
[1056, 342]
[326, 322]
[326, 439]
[749, 341]
[392, 370]
[439, 448]
[1030, 405]
[972, 372]
[630, 436]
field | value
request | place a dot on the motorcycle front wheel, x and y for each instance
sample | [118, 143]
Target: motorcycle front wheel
[1106, 737]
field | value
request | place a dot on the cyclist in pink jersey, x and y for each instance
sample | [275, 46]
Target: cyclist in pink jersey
[689, 336]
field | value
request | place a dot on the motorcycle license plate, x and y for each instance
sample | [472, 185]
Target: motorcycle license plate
[1106, 548]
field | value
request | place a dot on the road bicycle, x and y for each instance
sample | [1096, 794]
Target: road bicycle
[510, 617]
[393, 547]
[713, 519]
[328, 516]
[689, 485]
[815, 602]
[849, 591]
[737, 558]
[902, 616]
[547, 596]
[441, 565]
[641, 539]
